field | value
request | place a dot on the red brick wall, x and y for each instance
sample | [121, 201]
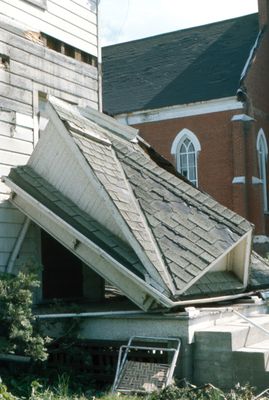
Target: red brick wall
[258, 99]
[228, 148]
[215, 161]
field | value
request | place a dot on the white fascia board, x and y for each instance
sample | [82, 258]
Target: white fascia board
[180, 111]
[42, 216]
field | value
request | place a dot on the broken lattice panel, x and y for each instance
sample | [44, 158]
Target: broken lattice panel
[142, 377]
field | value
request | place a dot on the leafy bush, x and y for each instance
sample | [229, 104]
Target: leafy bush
[18, 334]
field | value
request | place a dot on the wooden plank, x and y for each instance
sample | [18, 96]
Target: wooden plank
[15, 145]
[11, 92]
[15, 80]
[4, 169]
[11, 216]
[23, 134]
[24, 120]
[78, 15]
[29, 47]
[52, 25]
[13, 159]
[44, 66]
[70, 98]
[50, 80]
[5, 129]
[14, 105]
[11, 130]
[79, 8]
[7, 116]
[9, 230]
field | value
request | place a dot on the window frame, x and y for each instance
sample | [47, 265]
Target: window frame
[262, 154]
[182, 136]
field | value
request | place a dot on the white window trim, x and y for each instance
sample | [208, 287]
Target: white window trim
[262, 167]
[181, 136]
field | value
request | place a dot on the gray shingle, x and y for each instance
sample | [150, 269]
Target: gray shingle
[160, 70]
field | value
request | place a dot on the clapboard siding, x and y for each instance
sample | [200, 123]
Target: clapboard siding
[57, 75]
[83, 9]
[35, 68]
[11, 215]
[16, 40]
[15, 145]
[9, 230]
[16, 80]
[23, 96]
[74, 29]
[41, 64]
[14, 105]
[10, 158]
[54, 81]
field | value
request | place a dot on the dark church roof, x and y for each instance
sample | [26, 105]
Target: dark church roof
[186, 66]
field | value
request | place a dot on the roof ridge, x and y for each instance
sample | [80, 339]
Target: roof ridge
[191, 28]
[198, 204]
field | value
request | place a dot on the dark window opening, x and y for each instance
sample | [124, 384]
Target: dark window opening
[88, 59]
[4, 61]
[62, 276]
[69, 51]
[53, 44]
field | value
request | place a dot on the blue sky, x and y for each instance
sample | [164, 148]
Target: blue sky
[124, 20]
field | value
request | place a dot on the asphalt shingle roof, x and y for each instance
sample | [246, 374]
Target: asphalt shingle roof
[181, 229]
[186, 66]
[40, 189]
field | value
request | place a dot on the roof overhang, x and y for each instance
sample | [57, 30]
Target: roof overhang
[140, 292]
[137, 290]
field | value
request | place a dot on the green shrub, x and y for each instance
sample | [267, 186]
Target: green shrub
[18, 334]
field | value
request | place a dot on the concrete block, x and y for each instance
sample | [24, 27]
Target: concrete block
[222, 338]
[220, 376]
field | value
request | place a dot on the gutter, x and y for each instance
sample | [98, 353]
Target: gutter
[91, 314]
[139, 312]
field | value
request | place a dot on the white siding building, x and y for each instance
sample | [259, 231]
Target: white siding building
[46, 47]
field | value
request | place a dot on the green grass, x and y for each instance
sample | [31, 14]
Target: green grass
[64, 389]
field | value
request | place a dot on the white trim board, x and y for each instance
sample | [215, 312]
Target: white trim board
[180, 111]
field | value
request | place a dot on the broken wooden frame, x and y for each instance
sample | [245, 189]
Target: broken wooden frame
[166, 370]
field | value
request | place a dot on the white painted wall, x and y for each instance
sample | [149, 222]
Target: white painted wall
[33, 68]
[71, 21]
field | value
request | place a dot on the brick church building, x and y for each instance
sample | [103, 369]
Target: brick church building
[200, 97]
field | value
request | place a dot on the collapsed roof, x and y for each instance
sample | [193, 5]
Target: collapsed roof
[191, 65]
[91, 185]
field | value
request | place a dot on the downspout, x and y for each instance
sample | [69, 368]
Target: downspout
[18, 245]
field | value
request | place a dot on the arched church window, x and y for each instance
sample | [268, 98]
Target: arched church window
[185, 148]
[262, 150]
